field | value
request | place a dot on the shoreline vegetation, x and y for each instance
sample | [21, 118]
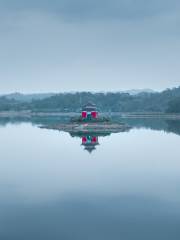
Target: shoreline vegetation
[159, 104]
[31, 114]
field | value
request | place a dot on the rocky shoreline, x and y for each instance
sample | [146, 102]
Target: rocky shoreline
[89, 127]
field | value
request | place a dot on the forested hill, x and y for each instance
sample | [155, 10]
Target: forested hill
[166, 101]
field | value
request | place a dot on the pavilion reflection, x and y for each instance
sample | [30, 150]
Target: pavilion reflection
[89, 140]
[90, 143]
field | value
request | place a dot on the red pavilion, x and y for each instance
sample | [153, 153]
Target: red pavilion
[89, 111]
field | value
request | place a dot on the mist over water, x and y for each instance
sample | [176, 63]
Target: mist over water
[127, 188]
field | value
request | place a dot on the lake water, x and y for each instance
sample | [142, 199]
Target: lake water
[52, 188]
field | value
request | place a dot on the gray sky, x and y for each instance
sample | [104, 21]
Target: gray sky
[68, 45]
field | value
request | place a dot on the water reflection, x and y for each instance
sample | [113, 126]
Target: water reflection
[173, 126]
[129, 191]
[159, 124]
[90, 140]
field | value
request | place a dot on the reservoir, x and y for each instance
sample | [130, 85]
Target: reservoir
[127, 187]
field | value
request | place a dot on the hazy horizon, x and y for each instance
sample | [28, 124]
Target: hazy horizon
[78, 91]
[68, 45]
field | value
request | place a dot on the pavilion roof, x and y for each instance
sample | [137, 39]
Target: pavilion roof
[89, 107]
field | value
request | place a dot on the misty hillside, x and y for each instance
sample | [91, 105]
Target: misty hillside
[40, 96]
[166, 101]
[138, 91]
[27, 97]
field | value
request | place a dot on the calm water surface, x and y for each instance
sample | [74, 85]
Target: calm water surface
[52, 188]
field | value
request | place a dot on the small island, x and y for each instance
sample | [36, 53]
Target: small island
[90, 121]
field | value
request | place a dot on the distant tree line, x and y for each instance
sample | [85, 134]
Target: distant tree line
[166, 101]
[174, 106]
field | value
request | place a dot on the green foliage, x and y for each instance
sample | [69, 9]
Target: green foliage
[166, 101]
[12, 105]
[174, 106]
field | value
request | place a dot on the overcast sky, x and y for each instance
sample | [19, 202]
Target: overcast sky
[69, 45]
